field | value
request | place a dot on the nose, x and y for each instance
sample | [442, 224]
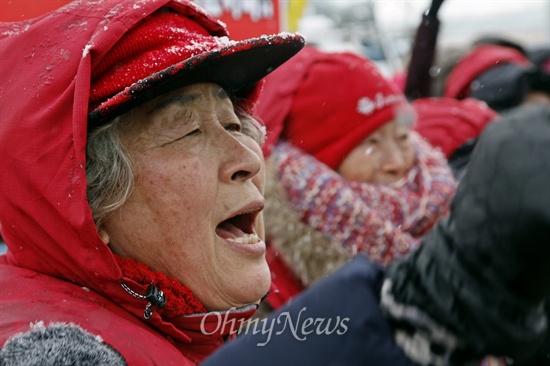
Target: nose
[393, 163]
[239, 161]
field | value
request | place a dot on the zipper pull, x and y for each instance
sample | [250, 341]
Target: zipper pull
[152, 294]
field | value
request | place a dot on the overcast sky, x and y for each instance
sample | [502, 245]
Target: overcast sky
[527, 20]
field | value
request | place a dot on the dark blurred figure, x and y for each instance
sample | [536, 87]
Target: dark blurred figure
[540, 78]
[453, 126]
[418, 82]
[498, 71]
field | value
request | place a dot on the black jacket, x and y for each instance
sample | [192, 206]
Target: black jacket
[484, 273]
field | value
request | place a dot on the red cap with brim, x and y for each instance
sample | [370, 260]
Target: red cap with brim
[169, 50]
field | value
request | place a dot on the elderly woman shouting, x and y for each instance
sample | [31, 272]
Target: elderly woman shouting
[132, 182]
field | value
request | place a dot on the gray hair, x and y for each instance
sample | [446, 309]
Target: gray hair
[109, 166]
[109, 170]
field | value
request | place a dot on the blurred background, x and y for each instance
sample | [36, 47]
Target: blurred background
[384, 30]
[381, 29]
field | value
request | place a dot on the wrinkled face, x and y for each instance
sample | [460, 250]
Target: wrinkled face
[195, 211]
[384, 157]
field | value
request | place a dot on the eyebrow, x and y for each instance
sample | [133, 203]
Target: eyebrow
[174, 99]
[187, 98]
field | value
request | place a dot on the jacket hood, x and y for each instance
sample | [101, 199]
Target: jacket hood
[44, 90]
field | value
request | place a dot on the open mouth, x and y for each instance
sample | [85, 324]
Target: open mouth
[240, 228]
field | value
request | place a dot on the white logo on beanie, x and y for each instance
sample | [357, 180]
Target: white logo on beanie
[367, 106]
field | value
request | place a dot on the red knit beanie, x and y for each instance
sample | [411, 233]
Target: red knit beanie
[162, 40]
[168, 50]
[337, 101]
[480, 59]
[447, 123]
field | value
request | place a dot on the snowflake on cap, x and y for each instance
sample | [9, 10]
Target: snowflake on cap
[365, 106]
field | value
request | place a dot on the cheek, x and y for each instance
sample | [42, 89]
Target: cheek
[175, 193]
[409, 154]
[169, 214]
[259, 179]
[367, 167]
[358, 166]
[169, 178]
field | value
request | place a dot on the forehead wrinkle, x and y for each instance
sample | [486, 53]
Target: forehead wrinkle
[186, 98]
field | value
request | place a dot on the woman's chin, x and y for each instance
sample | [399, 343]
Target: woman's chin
[256, 291]
[250, 290]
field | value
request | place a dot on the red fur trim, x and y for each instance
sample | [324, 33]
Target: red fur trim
[179, 298]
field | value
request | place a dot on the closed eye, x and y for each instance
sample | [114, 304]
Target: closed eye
[404, 137]
[193, 133]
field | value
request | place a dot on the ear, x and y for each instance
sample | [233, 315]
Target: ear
[104, 236]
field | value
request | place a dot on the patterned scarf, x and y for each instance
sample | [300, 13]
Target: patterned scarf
[383, 221]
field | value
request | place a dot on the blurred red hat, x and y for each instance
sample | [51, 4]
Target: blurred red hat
[327, 103]
[447, 123]
[479, 60]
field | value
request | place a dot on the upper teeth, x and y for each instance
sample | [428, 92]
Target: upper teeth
[246, 239]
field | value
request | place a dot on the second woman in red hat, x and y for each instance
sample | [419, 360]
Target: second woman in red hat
[346, 172]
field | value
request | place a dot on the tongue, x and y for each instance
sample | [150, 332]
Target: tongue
[227, 230]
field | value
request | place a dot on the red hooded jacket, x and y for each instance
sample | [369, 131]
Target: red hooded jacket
[57, 269]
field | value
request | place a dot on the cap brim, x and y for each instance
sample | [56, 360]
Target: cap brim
[236, 66]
